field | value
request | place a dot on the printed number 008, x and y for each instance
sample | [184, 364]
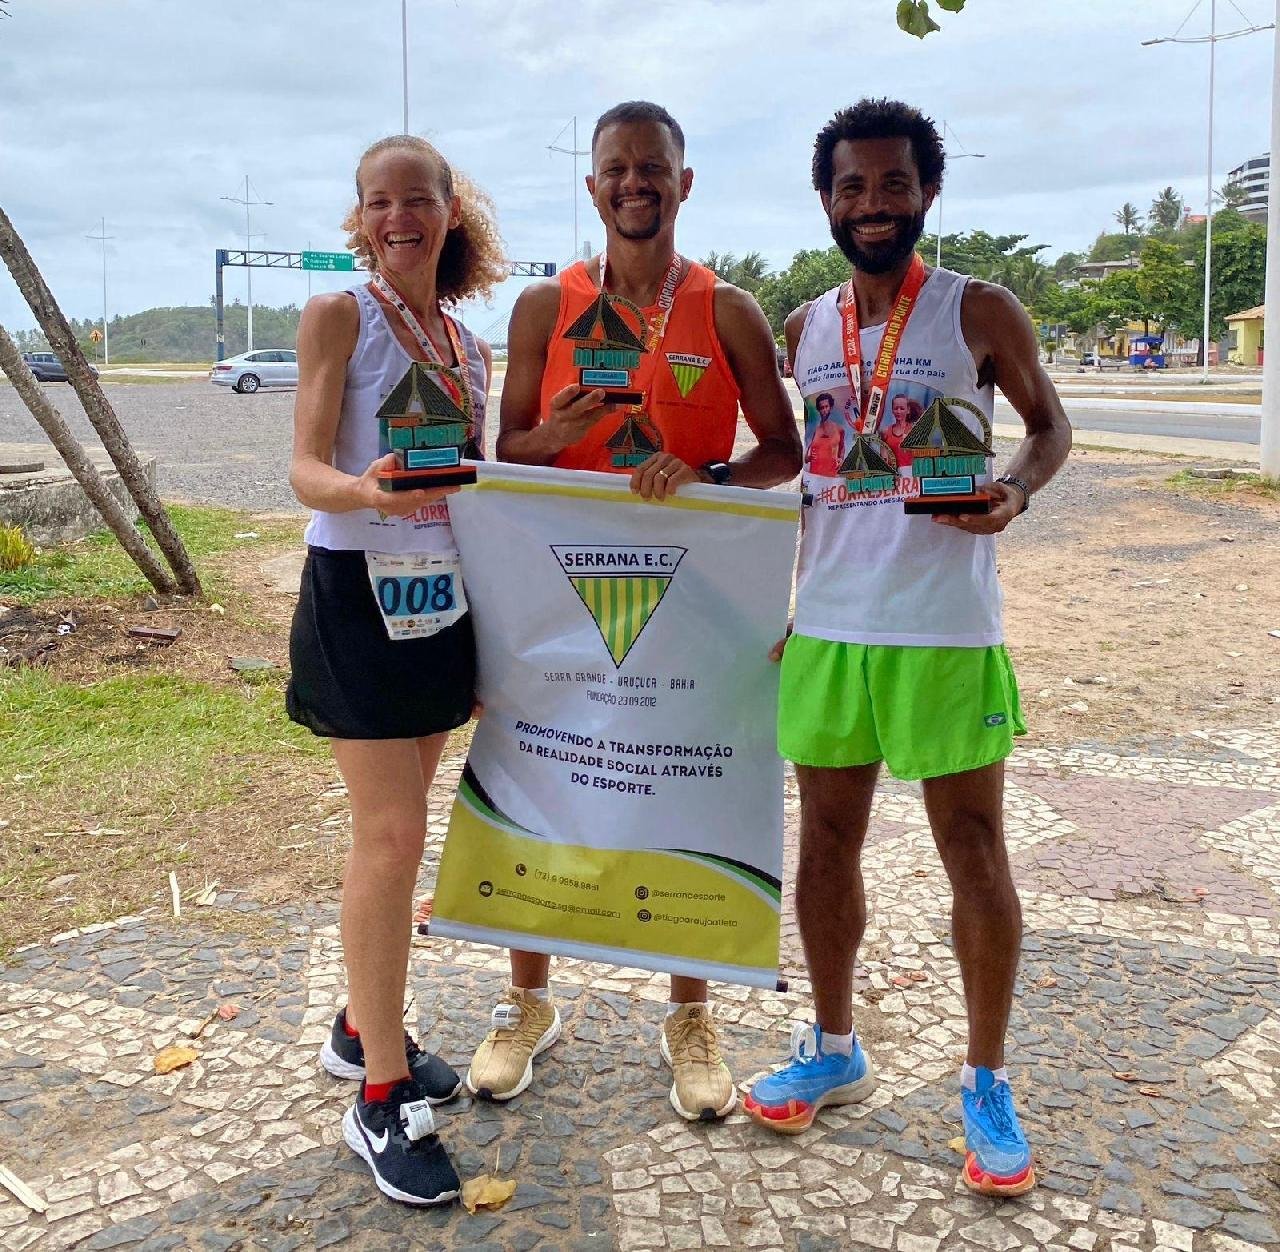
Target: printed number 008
[416, 595]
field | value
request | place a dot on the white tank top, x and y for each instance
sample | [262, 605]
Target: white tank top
[377, 364]
[868, 573]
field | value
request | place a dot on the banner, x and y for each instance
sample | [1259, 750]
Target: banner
[622, 799]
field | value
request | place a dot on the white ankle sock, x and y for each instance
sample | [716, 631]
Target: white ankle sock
[843, 1044]
[538, 993]
[969, 1076]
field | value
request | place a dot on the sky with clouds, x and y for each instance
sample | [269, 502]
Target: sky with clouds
[146, 113]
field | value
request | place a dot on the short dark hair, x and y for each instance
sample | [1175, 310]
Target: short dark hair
[828, 397]
[638, 111]
[881, 119]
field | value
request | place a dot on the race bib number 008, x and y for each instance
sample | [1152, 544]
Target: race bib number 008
[418, 594]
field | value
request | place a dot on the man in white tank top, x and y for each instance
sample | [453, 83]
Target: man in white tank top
[897, 654]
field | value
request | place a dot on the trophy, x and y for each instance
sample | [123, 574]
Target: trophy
[946, 457]
[427, 422]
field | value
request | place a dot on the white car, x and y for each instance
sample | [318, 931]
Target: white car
[250, 371]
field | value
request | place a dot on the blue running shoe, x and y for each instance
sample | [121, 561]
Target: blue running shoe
[789, 1099]
[997, 1159]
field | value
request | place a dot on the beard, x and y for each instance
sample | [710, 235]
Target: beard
[646, 230]
[879, 258]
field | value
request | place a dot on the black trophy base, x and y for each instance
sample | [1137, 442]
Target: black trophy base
[932, 505]
[425, 479]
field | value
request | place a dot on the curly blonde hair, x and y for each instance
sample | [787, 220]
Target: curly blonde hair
[473, 260]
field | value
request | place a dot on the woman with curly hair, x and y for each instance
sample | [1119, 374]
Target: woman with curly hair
[382, 651]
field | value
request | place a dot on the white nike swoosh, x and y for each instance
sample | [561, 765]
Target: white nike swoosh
[378, 1142]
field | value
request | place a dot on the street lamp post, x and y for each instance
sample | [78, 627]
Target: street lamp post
[952, 156]
[103, 236]
[247, 200]
[574, 152]
[1212, 39]
[1269, 458]
[404, 61]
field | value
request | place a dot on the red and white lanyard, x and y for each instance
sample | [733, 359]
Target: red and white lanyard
[415, 328]
[871, 404]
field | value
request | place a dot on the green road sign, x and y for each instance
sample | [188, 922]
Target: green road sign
[328, 261]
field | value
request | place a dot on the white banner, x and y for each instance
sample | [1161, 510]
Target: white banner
[622, 799]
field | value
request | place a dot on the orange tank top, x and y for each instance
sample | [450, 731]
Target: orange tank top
[691, 397]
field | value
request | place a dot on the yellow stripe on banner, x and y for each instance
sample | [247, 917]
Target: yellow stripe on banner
[776, 513]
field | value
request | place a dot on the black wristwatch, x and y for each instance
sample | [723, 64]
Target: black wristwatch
[1021, 486]
[718, 471]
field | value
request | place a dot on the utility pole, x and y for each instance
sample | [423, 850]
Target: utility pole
[1270, 450]
[103, 236]
[404, 61]
[1212, 39]
[574, 152]
[247, 200]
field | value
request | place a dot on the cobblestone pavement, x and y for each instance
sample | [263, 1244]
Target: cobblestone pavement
[1145, 1054]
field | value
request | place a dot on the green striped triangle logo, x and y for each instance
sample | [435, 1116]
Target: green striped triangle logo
[621, 585]
[687, 370]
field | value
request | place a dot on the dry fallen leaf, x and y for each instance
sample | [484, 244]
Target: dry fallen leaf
[1047, 981]
[487, 1192]
[422, 912]
[207, 895]
[175, 1056]
[1125, 1075]
[1154, 1091]
[228, 1012]
[917, 975]
[957, 1144]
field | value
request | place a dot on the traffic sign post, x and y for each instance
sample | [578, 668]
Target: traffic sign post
[328, 261]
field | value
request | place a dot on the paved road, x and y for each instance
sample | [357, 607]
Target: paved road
[1160, 419]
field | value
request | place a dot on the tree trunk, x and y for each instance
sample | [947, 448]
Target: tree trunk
[78, 462]
[63, 342]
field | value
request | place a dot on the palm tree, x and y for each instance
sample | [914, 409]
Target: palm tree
[1167, 210]
[1026, 276]
[1129, 218]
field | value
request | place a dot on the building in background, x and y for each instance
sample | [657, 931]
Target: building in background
[1254, 178]
[1245, 330]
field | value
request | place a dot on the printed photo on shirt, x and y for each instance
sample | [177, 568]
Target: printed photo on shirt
[829, 426]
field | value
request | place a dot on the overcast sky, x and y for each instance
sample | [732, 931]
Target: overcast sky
[146, 113]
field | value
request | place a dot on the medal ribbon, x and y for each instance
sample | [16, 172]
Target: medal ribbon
[410, 319]
[657, 327]
[871, 404]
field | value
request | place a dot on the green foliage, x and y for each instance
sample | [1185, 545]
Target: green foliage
[98, 566]
[978, 253]
[747, 272]
[1233, 195]
[1167, 211]
[1109, 247]
[184, 333]
[1165, 288]
[1064, 266]
[914, 17]
[811, 272]
[1129, 218]
[15, 549]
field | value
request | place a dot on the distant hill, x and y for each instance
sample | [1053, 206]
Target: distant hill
[179, 334]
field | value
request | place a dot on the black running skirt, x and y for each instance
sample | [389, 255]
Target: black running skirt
[350, 681]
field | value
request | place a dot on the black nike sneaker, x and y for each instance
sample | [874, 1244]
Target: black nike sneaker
[343, 1057]
[397, 1139]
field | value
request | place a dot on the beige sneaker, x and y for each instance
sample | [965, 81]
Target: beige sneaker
[503, 1064]
[703, 1089]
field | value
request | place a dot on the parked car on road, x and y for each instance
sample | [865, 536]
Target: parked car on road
[250, 371]
[47, 368]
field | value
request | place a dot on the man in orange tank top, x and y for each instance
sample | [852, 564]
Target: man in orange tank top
[688, 349]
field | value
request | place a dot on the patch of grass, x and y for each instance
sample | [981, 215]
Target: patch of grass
[109, 786]
[98, 567]
[1239, 486]
[151, 739]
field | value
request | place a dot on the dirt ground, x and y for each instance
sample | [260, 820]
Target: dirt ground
[1147, 611]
